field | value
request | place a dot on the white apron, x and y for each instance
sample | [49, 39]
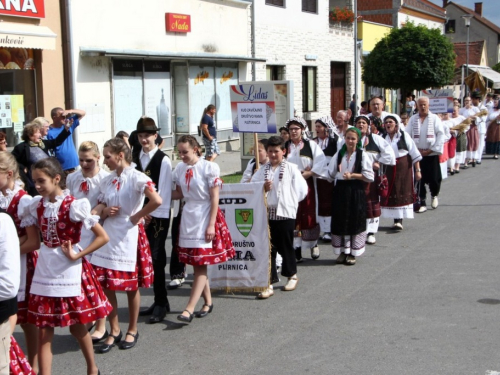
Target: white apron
[21, 294]
[194, 222]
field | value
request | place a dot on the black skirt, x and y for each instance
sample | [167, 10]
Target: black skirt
[348, 208]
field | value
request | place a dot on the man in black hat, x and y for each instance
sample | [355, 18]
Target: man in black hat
[156, 165]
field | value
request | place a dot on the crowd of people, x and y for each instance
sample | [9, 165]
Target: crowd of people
[104, 232]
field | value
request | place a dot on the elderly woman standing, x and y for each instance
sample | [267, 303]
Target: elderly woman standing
[380, 152]
[33, 149]
[327, 141]
[399, 204]
[351, 167]
[311, 161]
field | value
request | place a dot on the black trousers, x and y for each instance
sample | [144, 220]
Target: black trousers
[282, 243]
[431, 175]
[177, 268]
[157, 232]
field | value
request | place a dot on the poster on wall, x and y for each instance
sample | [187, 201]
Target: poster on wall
[5, 112]
[225, 77]
[17, 112]
[440, 101]
[253, 108]
[181, 99]
[157, 92]
[128, 102]
[201, 93]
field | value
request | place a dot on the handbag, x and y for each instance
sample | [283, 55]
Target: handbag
[382, 184]
[416, 199]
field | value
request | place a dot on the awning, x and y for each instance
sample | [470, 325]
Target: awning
[90, 51]
[18, 35]
[487, 73]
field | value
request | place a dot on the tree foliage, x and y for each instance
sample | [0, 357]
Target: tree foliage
[412, 57]
[496, 67]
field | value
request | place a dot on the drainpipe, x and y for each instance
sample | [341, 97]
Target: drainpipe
[355, 5]
[254, 74]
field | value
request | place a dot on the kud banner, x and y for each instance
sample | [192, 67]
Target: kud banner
[245, 211]
[440, 101]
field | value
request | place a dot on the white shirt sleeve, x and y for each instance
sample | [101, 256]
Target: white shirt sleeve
[412, 149]
[437, 147]
[164, 189]
[10, 260]
[247, 174]
[299, 184]
[367, 167]
[386, 155]
[79, 211]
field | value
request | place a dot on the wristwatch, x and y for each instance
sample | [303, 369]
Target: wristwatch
[418, 170]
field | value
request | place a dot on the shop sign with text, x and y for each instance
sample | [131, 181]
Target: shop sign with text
[23, 8]
[178, 23]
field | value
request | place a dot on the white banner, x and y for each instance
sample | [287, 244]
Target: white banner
[246, 216]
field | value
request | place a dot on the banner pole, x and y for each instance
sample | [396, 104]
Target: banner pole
[256, 149]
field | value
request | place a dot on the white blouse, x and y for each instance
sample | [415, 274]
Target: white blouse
[347, 165]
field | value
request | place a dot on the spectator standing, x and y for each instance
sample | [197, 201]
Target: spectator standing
[209, 131]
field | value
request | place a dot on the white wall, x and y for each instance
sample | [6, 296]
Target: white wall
[405, 18]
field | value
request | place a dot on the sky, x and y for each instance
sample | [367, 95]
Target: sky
[491, 8]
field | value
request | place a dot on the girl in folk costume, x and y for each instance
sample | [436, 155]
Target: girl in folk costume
[327, 141]
[204, 238]
[64, 291]
[472, 133]
[443, 158]
[15, 201]
[124, 263]
[84, 183]
[379, 151]
[311, 161]
[350, 167]
[399, 203]
[461, 140]
[451, 145]
[493, 131]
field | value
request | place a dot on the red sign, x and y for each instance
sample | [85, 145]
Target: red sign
[23, 8]
[177, 23]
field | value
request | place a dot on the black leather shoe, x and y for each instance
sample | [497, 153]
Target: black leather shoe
[128, 345]
[203, 313]
[95, 340]
[185, 319]
[158, 314]
[105, 348]
[148, 311]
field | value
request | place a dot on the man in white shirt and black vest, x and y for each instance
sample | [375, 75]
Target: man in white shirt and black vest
[156, 165]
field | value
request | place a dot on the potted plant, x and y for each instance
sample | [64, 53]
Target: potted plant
[341, 15]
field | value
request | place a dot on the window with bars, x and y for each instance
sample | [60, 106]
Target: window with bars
[310, 6]
[309, 88]
[278, 3]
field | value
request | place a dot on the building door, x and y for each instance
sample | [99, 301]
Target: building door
[337, 87]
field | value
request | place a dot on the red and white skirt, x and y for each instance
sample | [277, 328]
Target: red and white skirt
[92, 304]
[22, 307]
[126, 281]
[222, 247]
[19, 365]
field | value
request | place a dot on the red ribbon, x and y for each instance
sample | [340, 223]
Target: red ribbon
[116, 182]
[189, 176]
[84, 187]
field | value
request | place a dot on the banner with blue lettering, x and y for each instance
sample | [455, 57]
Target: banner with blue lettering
[253, 108]
[244, 208]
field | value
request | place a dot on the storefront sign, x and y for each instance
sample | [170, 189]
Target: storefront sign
[23, 8]
[178, 23]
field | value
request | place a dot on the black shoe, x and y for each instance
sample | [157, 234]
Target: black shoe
[452, 173]
[95, 340]
[148, 311]
[129, 345]
[105, 348]
[185, 319]
[203, 313]
[158, 314]
[473, 164]
[298, 254]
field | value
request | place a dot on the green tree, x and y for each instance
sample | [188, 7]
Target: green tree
[410, 58]
[496, 67]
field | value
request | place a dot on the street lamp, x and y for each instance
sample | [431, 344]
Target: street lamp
[467, 18]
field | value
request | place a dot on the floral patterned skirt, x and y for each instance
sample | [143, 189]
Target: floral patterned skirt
[92, 304]
[22, 307]
[125, 281]
[222, 247]
[19, 365]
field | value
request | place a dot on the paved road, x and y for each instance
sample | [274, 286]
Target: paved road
[424, 301]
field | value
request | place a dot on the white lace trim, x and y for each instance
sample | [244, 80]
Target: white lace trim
[90, 221]
[52, 208]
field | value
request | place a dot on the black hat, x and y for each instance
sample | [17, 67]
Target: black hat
[146, 125]
[476, 95]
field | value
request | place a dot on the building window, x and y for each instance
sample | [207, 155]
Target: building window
[275, 73]
[278, 3]
[310, 6]
[449, 28]
[309, 88]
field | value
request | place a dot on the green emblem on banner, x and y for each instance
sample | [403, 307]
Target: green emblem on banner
[244, 220]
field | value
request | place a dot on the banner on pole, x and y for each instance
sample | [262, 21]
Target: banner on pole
[440, 101]
[246, 216]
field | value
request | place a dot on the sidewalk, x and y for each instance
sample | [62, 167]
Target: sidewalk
[229, 162]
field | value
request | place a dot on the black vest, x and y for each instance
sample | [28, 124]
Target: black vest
[402, 142]
[331, 147]
[153, 168]
[357, 164]
[306, 150]
[372, 146]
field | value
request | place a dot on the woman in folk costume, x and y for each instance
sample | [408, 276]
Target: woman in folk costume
[15, 201]
[84, 183]
[472, 134]
[399, 203]
[124, 263]
[380, 152]
[451, 145]
[64, 291]
[493, 131]
[350, 167]
[443, 158]
[204, 237]
[327, 141]
[461, 140]
[311, 161]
